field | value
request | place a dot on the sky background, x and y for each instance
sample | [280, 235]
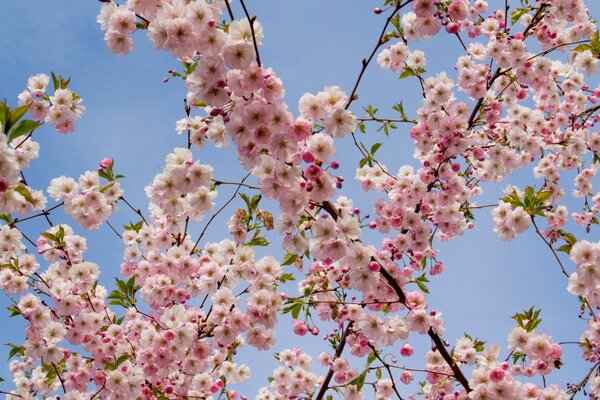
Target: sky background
[131, 117]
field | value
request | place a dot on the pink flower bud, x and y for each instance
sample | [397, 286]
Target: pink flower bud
[406, 350]
[496, 375]
[406, 377]
[4, 184]
[308, 157]
[106, 162]
[313, 172]
[169, 335]
[300, 328]
[452, 27]
[374, 266]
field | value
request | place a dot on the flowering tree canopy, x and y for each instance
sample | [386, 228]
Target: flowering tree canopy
[188, 303]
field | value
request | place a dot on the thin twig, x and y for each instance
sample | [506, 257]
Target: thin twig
[365, 62]
[389, 371]
[251, 21]
[229, 10]
[239, 185]
[135, 210]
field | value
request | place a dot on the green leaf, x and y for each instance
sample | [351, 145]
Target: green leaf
[23, 128]
[4, 115]
[60, 234]
[254, 203]
[246, 199]
[122, 359]
[374, 148]
[595, 43]
[582, 47]
[396, 22]
[407, 73]
[296, 310]
[360, 381]
[570, 238]
[378, 373]
[422, 286]
[565, 248]
[50, 236]
[400, 108]
[289, 259]
[372, 357]
[15, 350]
[517, 14]
[23, 191]
[55, 81]
[258, 241]
[16, 114]
[283, 278]
[14, 311]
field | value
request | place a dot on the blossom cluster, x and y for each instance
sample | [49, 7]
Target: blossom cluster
[87, 201]
[203, 302]
[61, 109]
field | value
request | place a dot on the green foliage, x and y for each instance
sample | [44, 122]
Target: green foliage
[593, 46]
[124, 295]
[528, 319]
[289, 259]
[108, 174]
[420, 281]
[534, 203]
[15, 350]
[370, 155]
[12, 126]
[59, 82]
[114, 365]
[134, 227]
[408, 72]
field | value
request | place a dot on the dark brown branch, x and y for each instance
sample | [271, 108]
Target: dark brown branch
[251, 21]
[458, 374]
[338, 353]
[229, 10]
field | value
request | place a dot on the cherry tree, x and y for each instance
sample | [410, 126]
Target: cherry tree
[187, 303]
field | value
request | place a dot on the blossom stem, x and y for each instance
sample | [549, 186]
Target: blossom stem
[60, 378]
[239, 185]
[251, 21]
[380, 42]
[562, 267]
[44, 212]
[219, 182]
[229, 11]
[137, 211]
[583, 381]
[389, 371]
[338, 353]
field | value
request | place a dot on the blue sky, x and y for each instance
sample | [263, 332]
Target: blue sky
[131, 115]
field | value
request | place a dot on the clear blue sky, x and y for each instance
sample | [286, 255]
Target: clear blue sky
[131, 115]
